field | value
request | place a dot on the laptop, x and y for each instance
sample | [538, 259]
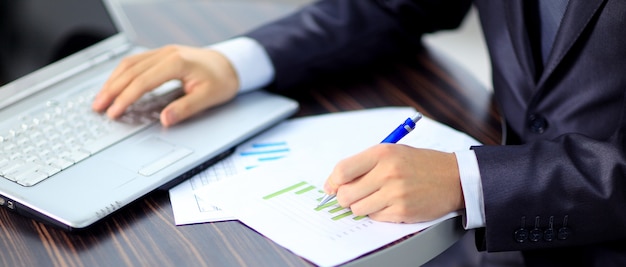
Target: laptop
[70, 167]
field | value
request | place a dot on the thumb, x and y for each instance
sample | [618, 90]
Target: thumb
[188, 105]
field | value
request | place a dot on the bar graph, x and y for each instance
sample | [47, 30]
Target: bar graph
[299, 202]
[255, 154]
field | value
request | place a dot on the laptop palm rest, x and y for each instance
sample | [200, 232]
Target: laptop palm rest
[150, 155]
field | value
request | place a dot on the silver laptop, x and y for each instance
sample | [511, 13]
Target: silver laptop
[68, 166]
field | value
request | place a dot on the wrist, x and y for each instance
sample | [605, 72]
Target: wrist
[252, 64]
[225, 72]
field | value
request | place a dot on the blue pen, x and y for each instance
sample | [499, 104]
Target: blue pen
[395, 136]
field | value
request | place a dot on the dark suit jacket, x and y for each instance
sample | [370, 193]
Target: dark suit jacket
[559, 195]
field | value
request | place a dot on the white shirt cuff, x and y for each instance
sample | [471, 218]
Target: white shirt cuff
[472, 189]
[250, 60]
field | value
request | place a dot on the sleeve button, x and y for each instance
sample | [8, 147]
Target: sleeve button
[521, 235]
[564, 233]
[548, 234]
[535, 235]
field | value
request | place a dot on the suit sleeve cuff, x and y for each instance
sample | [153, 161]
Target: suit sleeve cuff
[471, 184]
[250, 60]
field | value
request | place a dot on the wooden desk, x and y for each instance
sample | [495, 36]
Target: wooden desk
[144, 234]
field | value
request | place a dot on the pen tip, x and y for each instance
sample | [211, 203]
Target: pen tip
[417, 117]
[325, 200]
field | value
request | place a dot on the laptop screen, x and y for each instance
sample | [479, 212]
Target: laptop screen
[35, 33]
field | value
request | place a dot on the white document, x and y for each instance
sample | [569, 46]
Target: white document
[190, 208]
[279, 199]
[336, 135]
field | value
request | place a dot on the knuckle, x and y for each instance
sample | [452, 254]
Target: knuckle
[171, 48]
[390, 174]
[340, 171]
[126, 63]
[174, 51]
[384, 150]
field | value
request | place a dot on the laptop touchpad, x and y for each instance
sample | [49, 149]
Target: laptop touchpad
[151, 155]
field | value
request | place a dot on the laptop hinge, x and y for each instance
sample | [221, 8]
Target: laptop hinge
[108, 55]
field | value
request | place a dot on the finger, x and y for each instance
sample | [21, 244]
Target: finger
[155, 72]
[370, 203]
[349, 169]
[390, 214]
[386, 206]
[190, 104]
[381, 206]
[118, 80]
[361, 189]
[127, 65]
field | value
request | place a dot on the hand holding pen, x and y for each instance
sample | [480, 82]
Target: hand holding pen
[402, 130]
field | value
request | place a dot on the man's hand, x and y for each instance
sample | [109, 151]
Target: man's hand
[207, 77]
[398, 183]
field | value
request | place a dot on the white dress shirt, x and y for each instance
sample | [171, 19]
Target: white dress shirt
[255, 70]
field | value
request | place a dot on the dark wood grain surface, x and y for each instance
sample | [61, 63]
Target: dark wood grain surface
[144, 233]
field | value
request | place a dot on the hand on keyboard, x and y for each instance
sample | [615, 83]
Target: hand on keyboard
[52, 138]
[207, 78]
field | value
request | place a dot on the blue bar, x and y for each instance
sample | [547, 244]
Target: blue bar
[271, 158]
[252, 153]
[269, 144]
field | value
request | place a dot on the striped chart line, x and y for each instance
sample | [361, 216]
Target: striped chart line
[258, 153]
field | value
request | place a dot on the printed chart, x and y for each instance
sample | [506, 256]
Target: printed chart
[280, 201]
[299, 203]
[255, 154]
[191, 208]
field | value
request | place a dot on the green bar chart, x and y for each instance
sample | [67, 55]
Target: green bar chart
[304, 189]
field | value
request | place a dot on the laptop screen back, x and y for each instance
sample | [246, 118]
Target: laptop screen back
[35, 33]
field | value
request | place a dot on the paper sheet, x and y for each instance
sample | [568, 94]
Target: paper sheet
[333, 136]
[189, 208]
[280, 202]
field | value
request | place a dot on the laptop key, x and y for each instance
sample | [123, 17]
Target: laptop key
[11, 168]
[76, 156]
[24, 171]
[48, 170]
[31, 178]
[61, 163]
[4, 162]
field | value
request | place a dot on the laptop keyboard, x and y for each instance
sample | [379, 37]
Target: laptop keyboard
[61, 133]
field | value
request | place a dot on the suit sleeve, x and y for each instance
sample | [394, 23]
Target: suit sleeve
[331, 36]
[569, 191]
